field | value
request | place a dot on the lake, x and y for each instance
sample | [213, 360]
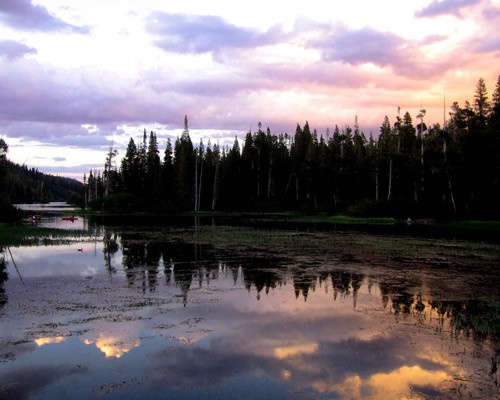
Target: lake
[204, 311]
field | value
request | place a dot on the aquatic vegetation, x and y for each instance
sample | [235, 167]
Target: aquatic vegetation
[32, 235]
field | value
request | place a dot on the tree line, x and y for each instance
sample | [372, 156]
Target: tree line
[410, 169]
[20, 184]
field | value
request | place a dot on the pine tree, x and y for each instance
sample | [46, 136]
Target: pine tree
[130, 169]
[481, 103]
[4, 197]
[167, 180]
[153, 167]
[184, 169]
[496, 94]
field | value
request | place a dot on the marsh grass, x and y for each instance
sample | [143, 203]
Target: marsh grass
[278, 240]
[31, 235]
[345, 219]
[339, 242]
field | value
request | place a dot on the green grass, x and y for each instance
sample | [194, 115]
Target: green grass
[344, 219]
[31, 235]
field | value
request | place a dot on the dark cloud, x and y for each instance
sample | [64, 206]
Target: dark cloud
[12, 50]
[227, 357]
[445, 7]
[22, 14]
[205, 34]
[20, 387]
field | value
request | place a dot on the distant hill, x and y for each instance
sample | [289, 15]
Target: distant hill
[28, 185]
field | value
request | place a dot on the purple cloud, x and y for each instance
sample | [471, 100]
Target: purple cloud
[57, 134]
[444, 7]
[491, 44]
[361, 46]
[12, 50]
[491, 13]
[205, 33]
[383, 49]
[22, 14]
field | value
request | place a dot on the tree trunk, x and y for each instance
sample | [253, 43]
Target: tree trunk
[389, 192]
[199, 185]
[452, 197]
[215, 193]
[270, 179]
[196, 183]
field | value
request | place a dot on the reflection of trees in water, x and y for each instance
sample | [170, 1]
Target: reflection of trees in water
[401, 292]
[3, 277]
[261, 272]
[478, 318]
[141, 262]
[183, 266]
[344, 283]
[304, 279]
[111, 246]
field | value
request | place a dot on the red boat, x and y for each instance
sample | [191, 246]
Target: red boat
[72, 219]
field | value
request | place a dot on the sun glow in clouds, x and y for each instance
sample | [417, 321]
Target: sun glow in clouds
[114, 345]
[49, 340]
[295, 350]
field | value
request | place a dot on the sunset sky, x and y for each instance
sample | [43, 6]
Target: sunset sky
[76, 75]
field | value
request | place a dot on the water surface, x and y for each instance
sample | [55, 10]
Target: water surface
[123, 316]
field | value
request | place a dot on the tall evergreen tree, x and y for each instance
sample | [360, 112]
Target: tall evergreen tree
[184, 169]
[130, 169]
[153, 167]
[167, 176]
[481, 102]
[4, 197]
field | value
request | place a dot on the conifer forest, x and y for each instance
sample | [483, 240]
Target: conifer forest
[406, 169]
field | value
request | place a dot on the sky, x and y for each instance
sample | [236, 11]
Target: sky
[79, 75]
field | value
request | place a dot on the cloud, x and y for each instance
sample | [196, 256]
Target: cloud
[321, 365]
[12, 50]
[445, 7]
[58, 133]
[195, 34]
[22, 14]
[76, 97]
[491, 13]
[382, 49]
[490, 44]
[40, 377]
[360, 46]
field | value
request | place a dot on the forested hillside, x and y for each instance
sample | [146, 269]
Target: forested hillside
[405, 169]
[28, 185]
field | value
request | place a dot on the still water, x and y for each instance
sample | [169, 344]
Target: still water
[120, 316]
